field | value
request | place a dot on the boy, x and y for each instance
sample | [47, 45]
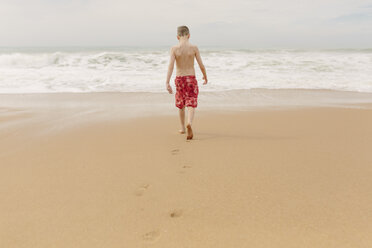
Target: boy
[186, 85]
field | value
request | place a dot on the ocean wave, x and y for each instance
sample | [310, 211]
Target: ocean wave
[136, 70]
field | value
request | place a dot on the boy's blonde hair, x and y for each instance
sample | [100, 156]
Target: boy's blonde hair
[183, 31]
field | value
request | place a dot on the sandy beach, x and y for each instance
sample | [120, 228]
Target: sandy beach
[91, 154]
[256, 177]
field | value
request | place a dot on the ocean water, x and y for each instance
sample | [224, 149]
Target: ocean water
[40, 70]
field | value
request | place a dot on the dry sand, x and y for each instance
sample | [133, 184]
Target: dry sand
[284, 178]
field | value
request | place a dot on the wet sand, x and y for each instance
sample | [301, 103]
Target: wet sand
[289, 177]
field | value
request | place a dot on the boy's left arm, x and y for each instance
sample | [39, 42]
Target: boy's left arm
[170, 70]
[201, 65]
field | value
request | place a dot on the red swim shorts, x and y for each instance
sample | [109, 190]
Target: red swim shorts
[186, 91]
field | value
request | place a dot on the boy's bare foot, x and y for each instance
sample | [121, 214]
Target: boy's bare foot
[189, 132]
[182, 131]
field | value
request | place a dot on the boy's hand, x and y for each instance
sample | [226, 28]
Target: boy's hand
[169, 88]
[205, 80]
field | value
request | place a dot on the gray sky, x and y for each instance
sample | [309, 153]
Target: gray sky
[229, 23]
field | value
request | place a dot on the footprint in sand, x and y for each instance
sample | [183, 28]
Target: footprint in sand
[151, 237]
[175, 151]
[176, 213]
[141, 190]
[184, 168]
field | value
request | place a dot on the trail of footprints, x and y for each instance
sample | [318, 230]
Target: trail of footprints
[154, 235]
[187, 166]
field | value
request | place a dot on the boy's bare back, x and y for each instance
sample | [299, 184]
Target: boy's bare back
[184, 54]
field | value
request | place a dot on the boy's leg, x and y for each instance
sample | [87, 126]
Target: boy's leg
[182, 119]
[190, 115]
[190, 118]
[191, 102]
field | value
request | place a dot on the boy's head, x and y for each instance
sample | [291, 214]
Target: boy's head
[183, 31]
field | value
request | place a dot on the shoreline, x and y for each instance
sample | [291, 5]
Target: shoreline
[207, 99]
[55, 112]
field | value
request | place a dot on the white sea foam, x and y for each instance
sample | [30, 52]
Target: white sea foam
[136, 70]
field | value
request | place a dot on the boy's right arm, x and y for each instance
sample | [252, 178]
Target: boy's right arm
[170, 70]
[201, 65]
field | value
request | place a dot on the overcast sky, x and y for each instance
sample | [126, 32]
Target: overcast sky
[229, 23]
